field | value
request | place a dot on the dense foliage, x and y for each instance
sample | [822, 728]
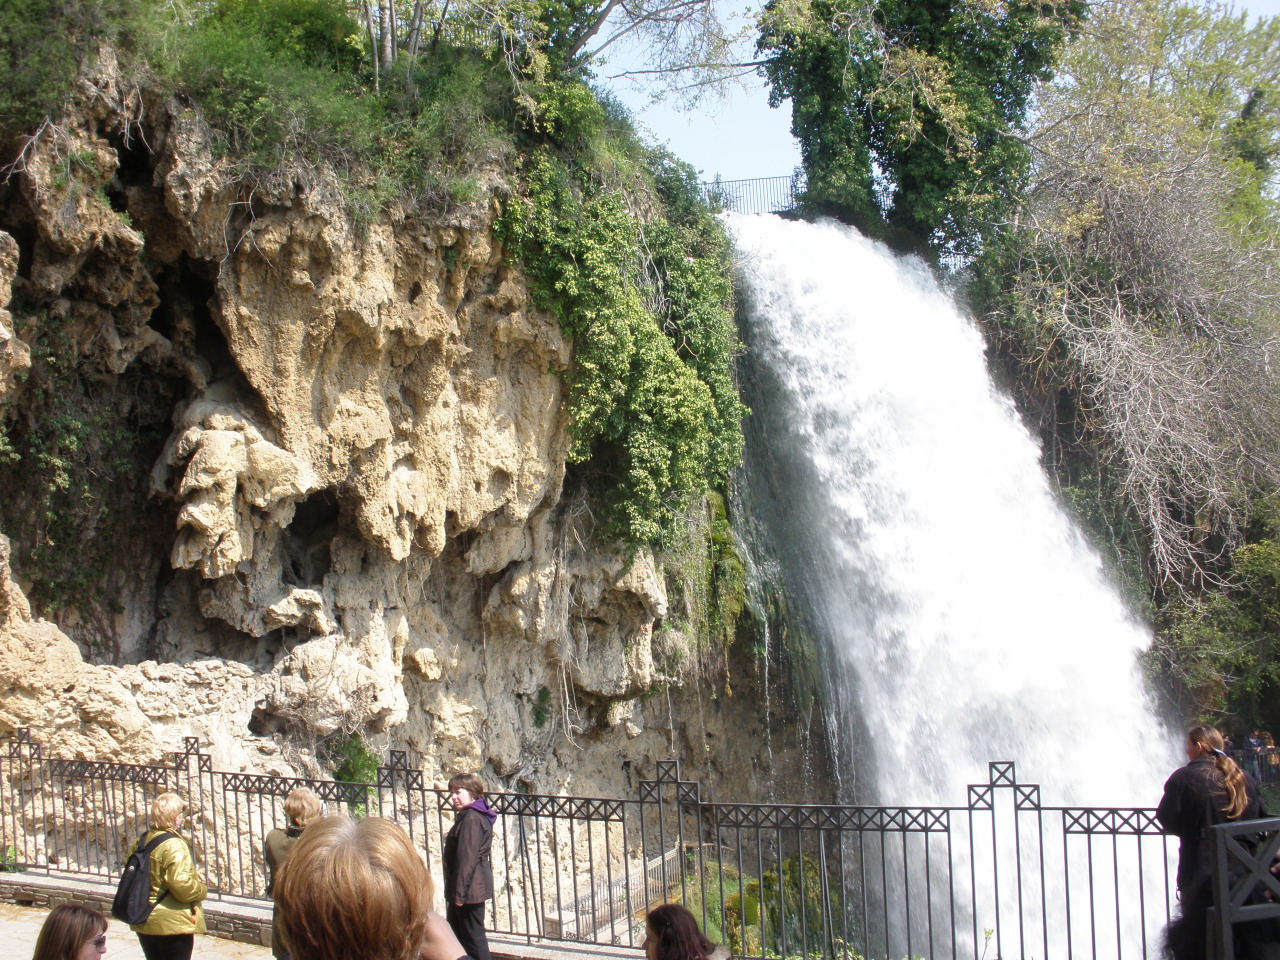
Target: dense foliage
[908, 111]
[655, 415]
[69, 459]
[43, 44]
[1134, 299]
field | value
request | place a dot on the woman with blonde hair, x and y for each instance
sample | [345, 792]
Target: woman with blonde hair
[176, 888]
[301, 806]
[359, 890]
[72, 932]
[1209, 790]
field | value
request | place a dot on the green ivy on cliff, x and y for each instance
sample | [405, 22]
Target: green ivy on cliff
[654, 414]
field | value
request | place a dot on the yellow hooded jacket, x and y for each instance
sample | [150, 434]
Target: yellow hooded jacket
[176, 890]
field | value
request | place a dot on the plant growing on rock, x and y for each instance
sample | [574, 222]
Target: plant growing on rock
[68, 458]
[654, 416]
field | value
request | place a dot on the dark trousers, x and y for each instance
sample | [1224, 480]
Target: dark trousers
[467, 922]
[1186, 936]
[174, 947]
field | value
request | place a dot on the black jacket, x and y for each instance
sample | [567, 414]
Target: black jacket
[468, 872]
[1192, 803]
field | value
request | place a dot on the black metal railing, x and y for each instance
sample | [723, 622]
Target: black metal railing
[1246, 888]
[1001, 876]
[1263, 763]
[761, 195]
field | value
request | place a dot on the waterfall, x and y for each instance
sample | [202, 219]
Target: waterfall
[961, 615]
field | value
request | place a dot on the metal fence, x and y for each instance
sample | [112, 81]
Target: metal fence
[1000, 876]
[762, 195]
[1264, 764]
[1246, 889]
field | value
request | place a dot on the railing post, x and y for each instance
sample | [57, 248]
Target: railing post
[1245, 889]
[981, 800]
[22, 759]
[189, 767]
[1027, 799]
[397, 776]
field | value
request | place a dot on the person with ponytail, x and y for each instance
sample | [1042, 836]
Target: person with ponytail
[1209, 790]
[671, 933]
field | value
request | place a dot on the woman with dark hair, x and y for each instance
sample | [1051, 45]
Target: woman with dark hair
[468, 872]
[72, 932]
[671, 933]
[1209, 790]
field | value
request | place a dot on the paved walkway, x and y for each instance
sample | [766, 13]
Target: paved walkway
[21, 925]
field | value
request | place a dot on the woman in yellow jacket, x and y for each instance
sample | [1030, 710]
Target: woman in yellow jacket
[176, 888]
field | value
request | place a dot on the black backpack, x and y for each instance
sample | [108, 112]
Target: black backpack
[132, 902]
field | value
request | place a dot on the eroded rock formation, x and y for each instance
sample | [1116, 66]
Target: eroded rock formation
[356, 518]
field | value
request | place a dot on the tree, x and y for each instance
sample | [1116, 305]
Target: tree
[1137, 300]
[687, 41]
[1139, 272]
[909, 112]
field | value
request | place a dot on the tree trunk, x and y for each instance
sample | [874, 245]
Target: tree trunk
[373, 43]
[388, 35]
[415, 37]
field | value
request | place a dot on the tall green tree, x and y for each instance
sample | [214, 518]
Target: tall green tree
[909, 113]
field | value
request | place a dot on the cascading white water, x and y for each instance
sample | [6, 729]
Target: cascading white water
[967, 618]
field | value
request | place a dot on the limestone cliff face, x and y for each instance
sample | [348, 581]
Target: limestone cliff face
[356, 519]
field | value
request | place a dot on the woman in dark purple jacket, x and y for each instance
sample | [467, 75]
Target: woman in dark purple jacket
[468, 871]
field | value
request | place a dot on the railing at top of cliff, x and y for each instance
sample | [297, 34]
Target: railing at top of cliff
[1000, 875]
[761, 195]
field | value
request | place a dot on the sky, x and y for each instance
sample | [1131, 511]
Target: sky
[741, 137]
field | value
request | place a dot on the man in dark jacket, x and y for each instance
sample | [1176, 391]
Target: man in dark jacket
[468, 871]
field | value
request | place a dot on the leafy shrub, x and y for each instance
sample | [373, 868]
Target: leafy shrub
[542, 708]
[652, 421]
[318, 33]
[42, 45]
[270, 107]
[571, 115]
[351, 759]
[295, 92]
